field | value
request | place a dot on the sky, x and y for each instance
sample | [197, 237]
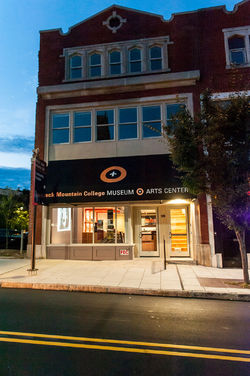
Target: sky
[20, 22]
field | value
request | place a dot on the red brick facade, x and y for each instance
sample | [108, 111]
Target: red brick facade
[197, 45]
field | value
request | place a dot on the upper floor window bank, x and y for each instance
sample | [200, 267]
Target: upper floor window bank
[132, 122]
[121, 58]
[237, 46]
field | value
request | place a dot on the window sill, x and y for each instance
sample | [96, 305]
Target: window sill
[247, 65]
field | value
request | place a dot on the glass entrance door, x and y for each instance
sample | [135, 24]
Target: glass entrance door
[179, 241]
[148, 232]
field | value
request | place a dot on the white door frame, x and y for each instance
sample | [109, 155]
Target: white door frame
[139, 240]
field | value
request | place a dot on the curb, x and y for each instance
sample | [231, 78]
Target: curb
[126, 291]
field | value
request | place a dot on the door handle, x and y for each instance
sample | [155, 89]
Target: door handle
[170, 234]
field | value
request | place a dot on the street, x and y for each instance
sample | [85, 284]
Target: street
[61, 333]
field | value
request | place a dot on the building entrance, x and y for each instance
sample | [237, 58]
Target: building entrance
[148, 232]
[178, 235]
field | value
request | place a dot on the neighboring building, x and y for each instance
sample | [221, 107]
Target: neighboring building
[106, 89]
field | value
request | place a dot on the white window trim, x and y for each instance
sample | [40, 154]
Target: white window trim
[89, 54]
[78, 67]
[110, 64]
[186, 98]
[124, 48]
[152, 59]
[243, 31]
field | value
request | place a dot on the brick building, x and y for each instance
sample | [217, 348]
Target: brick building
[106, 88]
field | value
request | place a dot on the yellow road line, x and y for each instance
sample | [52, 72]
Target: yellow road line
[123, 342]
[125, 349]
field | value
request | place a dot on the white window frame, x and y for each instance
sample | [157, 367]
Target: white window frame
[74, 127]
[116, 63]
[90, 54]
[150, 59]
[124, 48]
[53, 149]
[243, 31]
[78, 67]
[135, 61]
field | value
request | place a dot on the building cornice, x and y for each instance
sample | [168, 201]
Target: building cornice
[121, 84]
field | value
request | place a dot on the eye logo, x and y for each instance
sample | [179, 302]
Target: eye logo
[113, 174]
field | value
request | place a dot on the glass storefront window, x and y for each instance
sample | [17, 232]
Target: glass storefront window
[104, 227]
[120, 225]
[88, 225]
[60, 225]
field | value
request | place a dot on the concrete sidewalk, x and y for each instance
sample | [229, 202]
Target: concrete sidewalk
[139, 276]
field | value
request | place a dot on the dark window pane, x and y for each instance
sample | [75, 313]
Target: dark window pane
[155, 52]
[115, 69]
[156, 65]
[127, 131]
[236, 42]
[173, 109]
[82, 134]
[128, 115]
[152, 130]
[105, 133]
[82, 118]
[114, 57]
[76, 73]
[76, 61]
[135, 67]
[105, 117]
[60, 136]
[95, 71]
[60, 120]
[237, 57]
[151, 113]
[95, 59]
[135, 54]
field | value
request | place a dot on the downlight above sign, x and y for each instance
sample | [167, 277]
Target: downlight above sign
[113, 179]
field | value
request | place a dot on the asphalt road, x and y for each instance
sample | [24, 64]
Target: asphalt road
[61, 333]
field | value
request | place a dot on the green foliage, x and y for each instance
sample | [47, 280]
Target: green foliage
[14, 210]
[212, 152]
[20, 219]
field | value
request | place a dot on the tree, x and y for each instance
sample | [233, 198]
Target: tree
[212, 150]
[14, 211]
[8, 205]
[20, 219]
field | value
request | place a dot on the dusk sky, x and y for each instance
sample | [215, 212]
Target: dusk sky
[20, 22]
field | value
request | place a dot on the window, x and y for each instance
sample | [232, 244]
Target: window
[115, 62]
[75, 67]
[95, 67]
[172, 110]
[237, 46]
[151, 121]
[60, 128]
[135, 60]
[105, 125]
[127, 128]
[82, 126]
[155, 58]
[237, 50]
[60, 225]
[108, 60]
[89, 225]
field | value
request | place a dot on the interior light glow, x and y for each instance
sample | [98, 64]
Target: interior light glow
[178, 201]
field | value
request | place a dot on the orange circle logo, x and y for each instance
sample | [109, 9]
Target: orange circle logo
[113, 174]
[139, 191]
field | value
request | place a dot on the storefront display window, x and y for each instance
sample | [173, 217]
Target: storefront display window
[60, 225]
[88, 225]
[104, 227]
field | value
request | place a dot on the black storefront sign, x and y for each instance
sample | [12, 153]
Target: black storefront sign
[113, 179]
[40, 176]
